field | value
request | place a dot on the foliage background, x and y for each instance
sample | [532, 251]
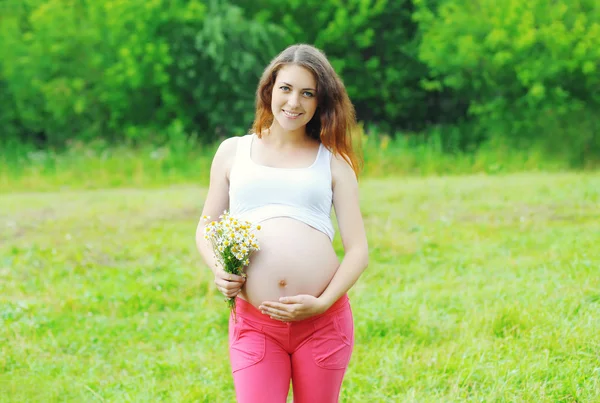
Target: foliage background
[516, 73]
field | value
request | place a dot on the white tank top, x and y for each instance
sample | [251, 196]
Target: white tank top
[258, 192]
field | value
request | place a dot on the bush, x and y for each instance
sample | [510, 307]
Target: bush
[161, 70]
[372, 44]
[527, 69]
[132, 68]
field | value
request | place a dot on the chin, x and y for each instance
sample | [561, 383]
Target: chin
[287, 125]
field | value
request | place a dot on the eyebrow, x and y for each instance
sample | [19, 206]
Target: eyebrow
[303, 89]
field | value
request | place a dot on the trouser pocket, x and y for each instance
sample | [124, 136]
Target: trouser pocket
[333, 339]
[246, 344]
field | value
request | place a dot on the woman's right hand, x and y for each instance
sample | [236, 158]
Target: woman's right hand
[228, 284]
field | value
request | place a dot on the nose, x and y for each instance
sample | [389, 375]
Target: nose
[294, 100]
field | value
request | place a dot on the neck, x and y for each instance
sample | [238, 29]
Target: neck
[280, 136]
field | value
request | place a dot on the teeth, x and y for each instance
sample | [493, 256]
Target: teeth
[292, 115]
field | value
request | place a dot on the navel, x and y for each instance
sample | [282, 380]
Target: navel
[282, 283]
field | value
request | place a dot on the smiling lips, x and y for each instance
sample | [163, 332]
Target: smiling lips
[290, 114]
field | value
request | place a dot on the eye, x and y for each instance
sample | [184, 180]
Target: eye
[308, 94]
[284, 88]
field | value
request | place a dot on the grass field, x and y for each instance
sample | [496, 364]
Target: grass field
[480, 289]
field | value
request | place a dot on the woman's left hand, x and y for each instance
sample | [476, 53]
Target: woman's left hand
[294, 308]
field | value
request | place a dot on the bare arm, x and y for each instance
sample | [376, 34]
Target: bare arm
[352, 231]
[217, 201]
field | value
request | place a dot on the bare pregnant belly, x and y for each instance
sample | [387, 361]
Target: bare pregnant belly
[294, 259]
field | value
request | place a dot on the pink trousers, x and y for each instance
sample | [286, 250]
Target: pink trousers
[265, 354]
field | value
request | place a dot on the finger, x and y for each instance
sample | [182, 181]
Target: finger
[230, 276]
[230, 285]
[276, 313]
[278, 316]
[225, 286]
[232, 293]
[295, 299]
[279, 306]
[234, 278]
[228, 293]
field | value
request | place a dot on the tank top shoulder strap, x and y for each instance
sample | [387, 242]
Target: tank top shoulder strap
[324, 158]
[242, 153]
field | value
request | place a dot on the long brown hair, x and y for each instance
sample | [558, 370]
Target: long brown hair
[335, 117]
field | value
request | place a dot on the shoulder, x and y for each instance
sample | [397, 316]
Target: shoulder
[228, 147]
[341, 170]
[225, 154]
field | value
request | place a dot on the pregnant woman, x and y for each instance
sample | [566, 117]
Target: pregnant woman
[294, 320]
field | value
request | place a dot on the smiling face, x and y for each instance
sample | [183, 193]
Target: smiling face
[294, 97]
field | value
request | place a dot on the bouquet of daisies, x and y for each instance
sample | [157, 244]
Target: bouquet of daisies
[233, 241]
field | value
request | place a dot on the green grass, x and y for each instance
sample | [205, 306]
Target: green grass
[98, 165]
[480, 289]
